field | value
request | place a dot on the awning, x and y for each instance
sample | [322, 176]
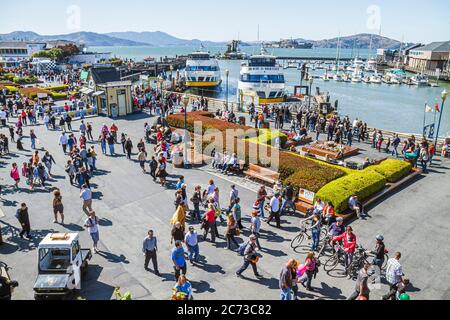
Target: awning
[87, 91]
[98, 93]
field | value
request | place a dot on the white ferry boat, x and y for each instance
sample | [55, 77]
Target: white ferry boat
[202, 70]
[262, 77]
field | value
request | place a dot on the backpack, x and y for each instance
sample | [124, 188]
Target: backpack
[242, 247]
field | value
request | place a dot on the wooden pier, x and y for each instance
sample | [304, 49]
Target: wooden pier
[331, 59]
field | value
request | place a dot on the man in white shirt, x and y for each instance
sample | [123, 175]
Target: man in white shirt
[63, 141]
[91, 224]
[394, 276]
[275, 210]
[3, 117]
[191, 241]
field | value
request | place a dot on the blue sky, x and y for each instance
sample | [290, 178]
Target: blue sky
[415, 21]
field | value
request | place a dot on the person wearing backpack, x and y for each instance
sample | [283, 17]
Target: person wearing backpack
[196, 200]
[251, 257]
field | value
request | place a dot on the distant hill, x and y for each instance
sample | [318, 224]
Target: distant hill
[159, 38]
[87, 38]
[359, 41]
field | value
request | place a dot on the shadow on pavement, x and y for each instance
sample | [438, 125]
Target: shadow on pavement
[92, 289]
[113, 258]
[201, 287]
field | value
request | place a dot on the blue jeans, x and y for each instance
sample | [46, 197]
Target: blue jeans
[315, 239]
[261, 208]
[395, 151]
[287, 203]
[111, 149]
[33, 143]
[286, 294]
[103, 145]
[193, 252]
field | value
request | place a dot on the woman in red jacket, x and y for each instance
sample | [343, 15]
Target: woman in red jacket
[349, 239]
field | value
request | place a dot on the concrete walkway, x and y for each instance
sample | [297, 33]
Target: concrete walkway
[413, 221]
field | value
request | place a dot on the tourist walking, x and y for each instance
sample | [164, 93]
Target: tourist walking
[261, 198]
[285, 281]
[142, 158]
[111, 142]
[394, 276]
[210, 223]
[24, 220]
[15, 175]
[196, 200]
[255, 227]
[177, 233]
[395, 145]
[362, 290]
[251, 257]
[178, 259]
[311, 269]
[275, 210]
[63, 140]
[191, 242]
[150, 249]
[92, 224]
[153, 168]
[231, 231]
[86, 195]
[128, 148]
[48, 160]
[58, 206]
[71, 171]
[33, 139]
[161, 172]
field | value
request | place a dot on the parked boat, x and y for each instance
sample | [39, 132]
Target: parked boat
[420, 80]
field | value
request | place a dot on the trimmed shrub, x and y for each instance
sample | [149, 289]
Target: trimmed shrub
[312, 176]
[266, 136]
[393, 170]
[58, 88]
[364, 184]
[58, 96]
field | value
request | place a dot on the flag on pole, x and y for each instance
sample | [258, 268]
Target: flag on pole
[437, 107]
[428, 109]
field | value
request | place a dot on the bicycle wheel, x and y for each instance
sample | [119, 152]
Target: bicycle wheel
[331, 263]
[297, 241]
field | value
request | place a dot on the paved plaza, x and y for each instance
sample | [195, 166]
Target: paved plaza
[414, 221]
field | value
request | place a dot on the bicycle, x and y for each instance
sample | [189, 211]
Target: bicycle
[298, 240]
[337, 258]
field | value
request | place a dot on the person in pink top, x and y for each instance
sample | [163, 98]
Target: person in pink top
[15, 175]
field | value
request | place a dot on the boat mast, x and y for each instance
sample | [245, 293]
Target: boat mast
[338, 53]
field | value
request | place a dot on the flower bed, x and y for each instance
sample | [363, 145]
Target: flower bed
[363, 183]
[393, 170]
[207, 120]
[32, 93]
[10, 89]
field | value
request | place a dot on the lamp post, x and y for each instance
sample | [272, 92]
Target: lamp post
[311, 81]
[227, 73]
[185, 100]
[171, 76]
[444, 95]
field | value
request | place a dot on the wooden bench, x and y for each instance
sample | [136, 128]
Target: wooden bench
[262, 174]
[294, 143]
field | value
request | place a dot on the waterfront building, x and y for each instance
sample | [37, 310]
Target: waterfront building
[13, 53]
[431, 57]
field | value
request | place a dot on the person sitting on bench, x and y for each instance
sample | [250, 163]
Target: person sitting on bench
[231, 164]
[355, 205]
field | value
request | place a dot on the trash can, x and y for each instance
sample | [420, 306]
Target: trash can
[177, 159]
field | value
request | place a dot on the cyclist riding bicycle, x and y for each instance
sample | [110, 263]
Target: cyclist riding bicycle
[337, 228]
[316, 227]
[349, 239]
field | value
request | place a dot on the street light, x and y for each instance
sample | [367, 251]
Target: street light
[311, 81]
[444, 95]
[227, 73]
[185, 100]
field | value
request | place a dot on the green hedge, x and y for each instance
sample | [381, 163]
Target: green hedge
[59, 96]
[312, 180]
[364, 184]
[393, 170]
[58, 88]
[266, 136]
